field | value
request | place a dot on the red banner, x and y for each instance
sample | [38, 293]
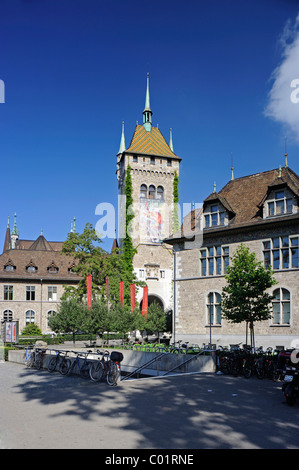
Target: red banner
[107, 288]
[88, 284]
[145, 301]
[132, 297]
[121, 292]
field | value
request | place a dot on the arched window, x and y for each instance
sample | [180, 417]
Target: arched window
[143, 191]
[214, 309]
[7, 315]
[160, 193]
[49, 315]
[30, 317]
[152, 192]
[281, 307]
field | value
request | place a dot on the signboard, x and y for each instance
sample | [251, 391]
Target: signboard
[12, 332]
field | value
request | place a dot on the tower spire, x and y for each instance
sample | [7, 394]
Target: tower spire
[122, 146]
[147, 113]
[14, 233]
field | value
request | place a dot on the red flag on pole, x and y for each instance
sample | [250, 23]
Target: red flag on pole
[132, 297]
[145, 301]
[89, 283]
[121, 292]
[107, 288]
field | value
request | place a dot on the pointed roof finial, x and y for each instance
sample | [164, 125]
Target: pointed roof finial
[279, 173]
[15, 230]
[147, 112]
[73, 225]
[8, 222]
[170, 140]
[122, 146]
[215, 187]
[147, 106]
[232, 167]
[285, 152]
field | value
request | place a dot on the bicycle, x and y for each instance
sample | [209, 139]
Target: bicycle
[98, 370]
[114, 370]
[29, 357]
[39, 358]
[60, 361]
[83, 368]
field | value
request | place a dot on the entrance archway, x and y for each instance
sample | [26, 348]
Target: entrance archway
[154, 299]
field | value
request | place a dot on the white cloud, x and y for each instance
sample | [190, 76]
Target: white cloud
[283, 99]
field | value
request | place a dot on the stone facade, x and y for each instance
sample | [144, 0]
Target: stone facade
[153, 166]
[33, 274]
[272, 237]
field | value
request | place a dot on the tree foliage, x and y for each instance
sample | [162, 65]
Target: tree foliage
[69, 318]
[156, 319]
[245, 297]
[176, 221]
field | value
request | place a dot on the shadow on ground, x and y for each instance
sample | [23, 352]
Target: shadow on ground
[203, 411]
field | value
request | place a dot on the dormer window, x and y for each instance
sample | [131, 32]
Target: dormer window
[52, 268]
[31, 269]
[9, 266]
[280, 204]
[214, 215]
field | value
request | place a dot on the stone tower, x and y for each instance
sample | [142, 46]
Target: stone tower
[153, 165]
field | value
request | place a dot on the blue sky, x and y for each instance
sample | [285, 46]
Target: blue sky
[73, 70]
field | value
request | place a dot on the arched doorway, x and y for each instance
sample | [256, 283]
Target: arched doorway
[152, 298]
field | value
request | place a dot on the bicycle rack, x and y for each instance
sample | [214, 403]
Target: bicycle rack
[185, 362]
[150, 362]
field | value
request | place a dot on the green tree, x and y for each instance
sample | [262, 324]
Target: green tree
[244, 298]
[128, 250]
[156, 319]
[31, 330]
[96, 319]
[69, 318]
[89, 258]
[176, 221]
[122, 320]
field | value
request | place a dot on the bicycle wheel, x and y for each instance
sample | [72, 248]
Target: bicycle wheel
[84, 371]
[96, 371]
[113, 374]
[52, 364]
[39, 362]
[65, 366]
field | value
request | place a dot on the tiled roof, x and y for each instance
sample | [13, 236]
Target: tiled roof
[42, 254]
[150, 143]
[244, 198]
[245, 194]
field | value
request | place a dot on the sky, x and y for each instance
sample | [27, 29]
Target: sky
[223, 75]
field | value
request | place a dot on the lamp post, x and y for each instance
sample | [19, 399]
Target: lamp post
[173, 252]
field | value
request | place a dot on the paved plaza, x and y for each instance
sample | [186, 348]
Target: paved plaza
[40, 410]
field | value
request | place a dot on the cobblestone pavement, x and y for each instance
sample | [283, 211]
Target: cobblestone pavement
[40, 410]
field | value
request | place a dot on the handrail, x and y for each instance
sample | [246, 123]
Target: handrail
[188, 360]
[151, 361]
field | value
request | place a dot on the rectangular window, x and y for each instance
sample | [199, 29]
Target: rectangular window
[203, 262]
[214, 261]
[152, 160]
[141, 273]
[135, 158]
[294, 252]
[30, 293]
[281, 253]
[52, 293]
[280, 204]
[8, 292]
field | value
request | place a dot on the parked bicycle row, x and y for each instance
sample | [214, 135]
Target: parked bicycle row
[106, 366]
[248, 362]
